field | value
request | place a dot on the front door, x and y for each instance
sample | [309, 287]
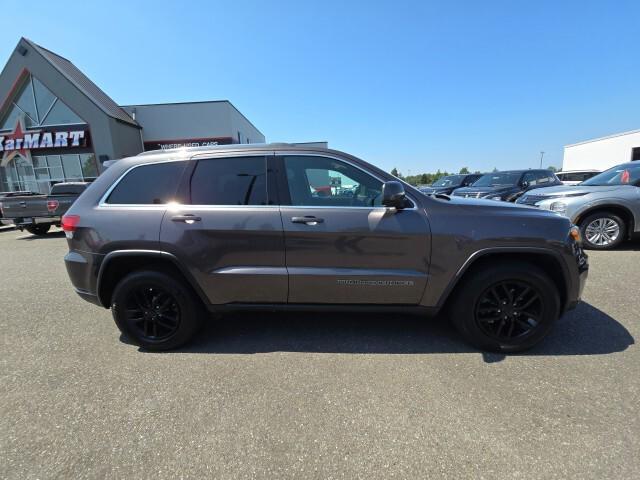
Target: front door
[228, 232]
[342, 246]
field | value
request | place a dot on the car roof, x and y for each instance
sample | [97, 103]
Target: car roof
[189, 153]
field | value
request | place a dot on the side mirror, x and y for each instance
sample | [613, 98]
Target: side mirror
[525, 184]
[393, 194]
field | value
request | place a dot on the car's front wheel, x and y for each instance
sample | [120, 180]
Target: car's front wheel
[155, 310]
[602, 231]
[505, 308]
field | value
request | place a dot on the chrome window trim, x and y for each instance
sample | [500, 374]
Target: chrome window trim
[103, 200]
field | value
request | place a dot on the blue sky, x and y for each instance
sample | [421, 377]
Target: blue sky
[417, 85]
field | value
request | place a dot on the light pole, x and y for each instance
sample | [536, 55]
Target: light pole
[541, 157]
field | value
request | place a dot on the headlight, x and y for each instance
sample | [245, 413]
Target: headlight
[558, 207]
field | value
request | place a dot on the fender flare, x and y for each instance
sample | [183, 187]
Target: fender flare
[159, 254]
[480, 254]
[604, 206]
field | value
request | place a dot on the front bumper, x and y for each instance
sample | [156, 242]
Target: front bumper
[579, 273]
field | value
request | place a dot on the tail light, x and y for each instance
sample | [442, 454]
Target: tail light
[69, 224]
[52, 205]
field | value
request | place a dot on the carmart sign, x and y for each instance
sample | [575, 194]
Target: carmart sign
[22, 142]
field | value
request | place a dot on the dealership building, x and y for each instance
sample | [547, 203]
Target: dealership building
[602, 153]
[56, 125]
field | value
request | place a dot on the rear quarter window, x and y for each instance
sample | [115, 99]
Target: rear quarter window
[148, 185]
[61, 189]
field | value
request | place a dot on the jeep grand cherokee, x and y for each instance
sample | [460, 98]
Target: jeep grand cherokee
[165, 237]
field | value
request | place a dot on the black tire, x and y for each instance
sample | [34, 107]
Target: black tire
[156, 311]
[39, 230]
[610, 220]
[484, 320]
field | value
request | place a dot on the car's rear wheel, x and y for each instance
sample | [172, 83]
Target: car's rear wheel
[506, 308]
[602, 230]
[38, 229]
[155, 310]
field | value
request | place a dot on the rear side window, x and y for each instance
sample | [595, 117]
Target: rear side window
[230, 181]
[148, 184]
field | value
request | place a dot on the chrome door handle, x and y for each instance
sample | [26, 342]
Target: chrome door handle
[308, 220]
[185, 218]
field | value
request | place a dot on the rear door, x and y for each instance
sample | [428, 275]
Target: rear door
[342, 245]
[134, 207]
[228, 231]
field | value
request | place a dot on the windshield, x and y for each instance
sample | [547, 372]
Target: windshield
[498, 179]
[450, 181]
[628, 174]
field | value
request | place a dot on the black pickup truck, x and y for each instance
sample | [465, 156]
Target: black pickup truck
[36, 213]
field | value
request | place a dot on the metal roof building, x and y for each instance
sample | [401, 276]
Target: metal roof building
[58, 125]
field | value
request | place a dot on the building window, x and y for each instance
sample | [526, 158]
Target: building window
[51, 169]
[39, 106]
[635, 154]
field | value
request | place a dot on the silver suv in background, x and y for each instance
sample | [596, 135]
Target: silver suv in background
[605, 207]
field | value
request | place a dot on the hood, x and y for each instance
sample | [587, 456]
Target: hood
[499, 206]
[570, 190]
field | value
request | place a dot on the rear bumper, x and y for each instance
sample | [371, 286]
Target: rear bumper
[83, 268]
[26, 221]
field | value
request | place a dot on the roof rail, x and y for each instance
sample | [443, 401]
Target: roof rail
[233, 146]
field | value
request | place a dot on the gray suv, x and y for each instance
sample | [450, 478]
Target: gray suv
[605, 207]
[165, 238]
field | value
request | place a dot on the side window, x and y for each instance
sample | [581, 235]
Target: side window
[530, 178]
[230, 181]
[148, 184]
[544, 177]
[322, 181]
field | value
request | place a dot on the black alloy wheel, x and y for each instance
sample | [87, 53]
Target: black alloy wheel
[157, 310]
[505, 306]
[152, 312]
[509, 310]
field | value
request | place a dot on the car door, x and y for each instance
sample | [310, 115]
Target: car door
[228, 232]
[342, 246]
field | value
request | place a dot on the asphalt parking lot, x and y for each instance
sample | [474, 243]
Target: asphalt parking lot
[312, 396]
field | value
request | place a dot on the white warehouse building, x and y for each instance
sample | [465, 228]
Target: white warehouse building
[602, 153]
